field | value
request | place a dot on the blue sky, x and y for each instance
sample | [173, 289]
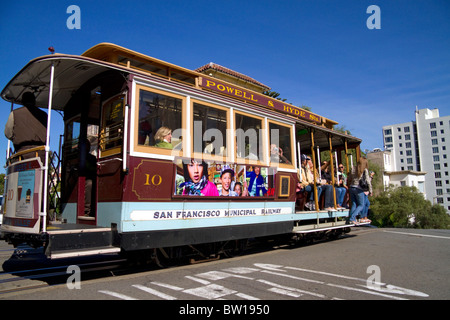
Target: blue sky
[318, 53]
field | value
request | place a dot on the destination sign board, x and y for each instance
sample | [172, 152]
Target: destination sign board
[257, 98]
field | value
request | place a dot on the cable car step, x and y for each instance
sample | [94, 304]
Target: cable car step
[72, 241]
[81, 253]
[320, 227]
[325, 226]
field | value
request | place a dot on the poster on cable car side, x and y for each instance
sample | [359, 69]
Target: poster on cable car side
[23, 196]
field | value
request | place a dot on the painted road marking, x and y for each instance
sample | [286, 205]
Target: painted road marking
[154, 292]
[210, 290]
[417, 234]
[117, 295]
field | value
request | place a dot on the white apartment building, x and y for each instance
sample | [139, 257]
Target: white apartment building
[385, 160]
[423, 146]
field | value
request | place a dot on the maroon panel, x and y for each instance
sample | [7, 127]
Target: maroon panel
[150, 180]
[110, 179]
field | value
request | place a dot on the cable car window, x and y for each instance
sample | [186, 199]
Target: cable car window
[280, 143]
[159, 116]
[111, 136]
[210, 128]
[249, 137]
[73, 134]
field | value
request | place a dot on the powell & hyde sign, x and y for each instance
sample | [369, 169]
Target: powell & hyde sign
[257, 98]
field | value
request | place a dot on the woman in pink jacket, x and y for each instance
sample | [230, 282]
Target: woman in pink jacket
[196, 180]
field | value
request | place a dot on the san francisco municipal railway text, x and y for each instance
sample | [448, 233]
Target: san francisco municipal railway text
[212, 213]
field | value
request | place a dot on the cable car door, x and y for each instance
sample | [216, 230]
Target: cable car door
[111, 144]
[80, 169]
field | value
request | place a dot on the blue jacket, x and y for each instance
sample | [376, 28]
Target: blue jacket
[259, 183]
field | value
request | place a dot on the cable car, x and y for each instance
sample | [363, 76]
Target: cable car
[158, 158]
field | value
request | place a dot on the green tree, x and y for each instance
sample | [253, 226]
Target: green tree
[377, 180]
[405, 207]
[275, 95]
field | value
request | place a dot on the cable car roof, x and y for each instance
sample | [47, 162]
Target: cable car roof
[35, 77]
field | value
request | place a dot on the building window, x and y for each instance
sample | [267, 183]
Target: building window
[434, 133]
[438, 183]
[407, 137]
[435, 150]
[387, 131]
[406, 129]
[434, 141]
[432, 125]
[435, 158]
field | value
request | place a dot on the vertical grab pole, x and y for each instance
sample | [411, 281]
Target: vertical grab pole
[299, 160]
[347, 163]
[319, 165]
[9, 141]
[125, 139]
[47, 151]
[313, 155]
[333, 180]
[337, 166]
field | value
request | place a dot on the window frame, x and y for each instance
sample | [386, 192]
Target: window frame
[292, 145]
[152, 150]
[239, 160]
[117, 149]
[227, 140]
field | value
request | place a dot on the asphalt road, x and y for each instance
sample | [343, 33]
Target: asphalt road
[367, 264]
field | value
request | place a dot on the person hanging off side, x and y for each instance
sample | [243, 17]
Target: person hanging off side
[27, 128]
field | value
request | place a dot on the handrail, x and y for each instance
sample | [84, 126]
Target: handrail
[21, 153]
